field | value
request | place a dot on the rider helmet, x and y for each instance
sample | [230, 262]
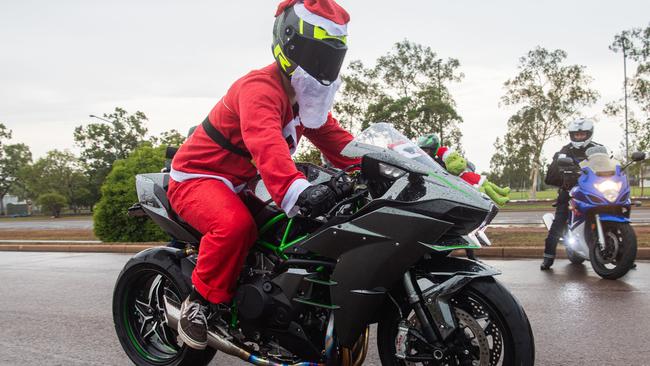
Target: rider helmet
[312, 35]
[429, 143]
[580, 140]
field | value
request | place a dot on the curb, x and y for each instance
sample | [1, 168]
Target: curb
[487, 252]
[532, 252]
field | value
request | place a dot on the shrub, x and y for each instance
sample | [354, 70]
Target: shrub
[52, 202]
[118, 194]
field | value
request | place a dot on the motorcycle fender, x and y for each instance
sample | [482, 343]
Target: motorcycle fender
[614, 218]
[165, 257]
[451, 275]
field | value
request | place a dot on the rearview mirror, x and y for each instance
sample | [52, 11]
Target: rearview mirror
[638, 156]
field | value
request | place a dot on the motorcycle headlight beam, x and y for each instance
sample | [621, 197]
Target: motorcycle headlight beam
[609, 189]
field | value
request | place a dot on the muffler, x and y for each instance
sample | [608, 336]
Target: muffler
[173, 314]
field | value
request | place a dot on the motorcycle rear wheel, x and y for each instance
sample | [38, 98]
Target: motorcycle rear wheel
[619, 254]
[492, 325]
[138, 314]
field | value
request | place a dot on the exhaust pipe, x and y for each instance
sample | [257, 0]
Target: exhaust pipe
[173, 314]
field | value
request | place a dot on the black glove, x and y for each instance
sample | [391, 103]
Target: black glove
[316, 200]
[342, 186]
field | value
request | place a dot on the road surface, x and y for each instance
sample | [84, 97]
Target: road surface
[55, 309]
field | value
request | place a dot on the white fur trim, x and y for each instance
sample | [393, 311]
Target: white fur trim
[183, 176]
[289, 201]
[290, 130]
[446, 154]
[332, 28]
[481, 181]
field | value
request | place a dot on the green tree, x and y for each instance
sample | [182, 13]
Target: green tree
[103, 143]
[52, 202]
[547, 93]
[13, 158]
[169, 138]
[118, 193]
[407, 87]
[57, 172]
[510, 164]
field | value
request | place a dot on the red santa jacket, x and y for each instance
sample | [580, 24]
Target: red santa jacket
[256, 115]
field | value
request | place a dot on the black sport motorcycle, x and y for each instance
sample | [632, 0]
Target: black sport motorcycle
[310, 288]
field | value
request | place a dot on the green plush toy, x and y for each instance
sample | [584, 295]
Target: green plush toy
[499, 195]
[456, 164]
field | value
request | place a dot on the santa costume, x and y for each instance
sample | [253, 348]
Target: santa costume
[254, 129]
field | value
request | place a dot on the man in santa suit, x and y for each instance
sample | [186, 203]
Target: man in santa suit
[255, 128]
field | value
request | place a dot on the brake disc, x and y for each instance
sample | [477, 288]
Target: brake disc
[475, 333]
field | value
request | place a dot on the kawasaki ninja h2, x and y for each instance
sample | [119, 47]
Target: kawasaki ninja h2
[310, 288]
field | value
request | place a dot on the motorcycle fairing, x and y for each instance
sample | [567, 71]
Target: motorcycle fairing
[373, 251]
[614, 218]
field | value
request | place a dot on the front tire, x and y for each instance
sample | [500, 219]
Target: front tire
[619, 254]
[488, 315]
[138, 313]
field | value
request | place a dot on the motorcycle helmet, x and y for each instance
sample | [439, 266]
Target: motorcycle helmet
[580, 132]
[312, 35]
[429, 143]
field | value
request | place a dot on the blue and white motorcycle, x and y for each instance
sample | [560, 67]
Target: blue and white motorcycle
[599, 227]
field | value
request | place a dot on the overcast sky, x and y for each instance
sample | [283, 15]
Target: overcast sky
[63, 60]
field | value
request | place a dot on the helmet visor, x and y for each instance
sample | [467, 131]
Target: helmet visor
[579, 136]
[321, 59]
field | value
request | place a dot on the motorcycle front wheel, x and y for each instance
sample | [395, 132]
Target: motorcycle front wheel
[618, 255]
[492, 330]
[139, 314]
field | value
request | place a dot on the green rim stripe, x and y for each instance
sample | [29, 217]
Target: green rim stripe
[129, 331]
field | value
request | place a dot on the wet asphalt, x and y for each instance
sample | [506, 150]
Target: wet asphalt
[55, 309]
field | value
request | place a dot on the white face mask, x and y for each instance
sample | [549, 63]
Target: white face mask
[314, 99]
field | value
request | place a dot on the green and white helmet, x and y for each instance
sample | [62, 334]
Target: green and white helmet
[429, 142]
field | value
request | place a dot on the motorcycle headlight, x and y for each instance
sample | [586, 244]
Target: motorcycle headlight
[390, 171]
[609, 189]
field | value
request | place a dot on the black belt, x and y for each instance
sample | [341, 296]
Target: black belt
[221, 140]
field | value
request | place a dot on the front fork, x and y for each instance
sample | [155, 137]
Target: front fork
[601, 234]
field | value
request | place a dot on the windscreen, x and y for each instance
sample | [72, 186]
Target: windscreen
[383, 135]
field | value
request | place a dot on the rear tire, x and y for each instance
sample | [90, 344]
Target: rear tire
[517, 343]
[150, 342]
[619, 254]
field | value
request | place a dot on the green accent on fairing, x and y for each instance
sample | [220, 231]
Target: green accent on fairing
[129, 331]
[449, 184]
[313, 303]
[445, 248]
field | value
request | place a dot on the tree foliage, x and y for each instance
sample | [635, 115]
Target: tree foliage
[13, 158]
[111, 221]
[57, 172]
[636, 43]
[407, 87]
[52, 202]
[548, 93]
[103, 143]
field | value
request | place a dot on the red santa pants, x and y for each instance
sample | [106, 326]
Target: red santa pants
[228, 231]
